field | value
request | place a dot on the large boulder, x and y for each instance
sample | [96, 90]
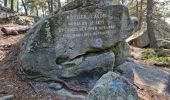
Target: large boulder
[112, 86]
[139, 39]
[75, 40]
[152, 77]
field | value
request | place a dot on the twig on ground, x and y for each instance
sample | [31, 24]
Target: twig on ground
[3, 92]
[7, 97]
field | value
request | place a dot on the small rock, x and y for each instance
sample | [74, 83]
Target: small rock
[9, 97]
[112, 86]
[160, 64]
[163, 43]
[55, 86]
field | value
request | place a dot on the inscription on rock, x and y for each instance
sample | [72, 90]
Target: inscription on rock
[88, 25]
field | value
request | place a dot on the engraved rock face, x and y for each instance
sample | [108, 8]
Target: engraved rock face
[112, 86]
[75, 41]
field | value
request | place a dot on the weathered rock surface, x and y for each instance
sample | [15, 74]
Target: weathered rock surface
[164, 43]
[26, 20]
[55, 86]
[85, 64]
[76, 40]
[139, 39]
[122, 52]
[153, 77]
[112, 86]
[126, 70]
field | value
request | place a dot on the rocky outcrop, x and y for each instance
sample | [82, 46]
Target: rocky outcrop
[112, 86]
[76, 40]
[76, 45]
[139, 39]
[150, 76]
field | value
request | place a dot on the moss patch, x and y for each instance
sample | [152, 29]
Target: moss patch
[155, 55]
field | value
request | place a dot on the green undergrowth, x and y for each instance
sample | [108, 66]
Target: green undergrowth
[155, 55]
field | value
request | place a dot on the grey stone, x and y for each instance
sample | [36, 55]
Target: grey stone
[25, 20]
[164, 43]
[112, 86]
[75, 40]
[126, 70]
[122, 52]
[150, 76]
[55, 86]
[86, 64]
[139, 39]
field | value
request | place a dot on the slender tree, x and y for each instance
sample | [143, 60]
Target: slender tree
[150, 31]
[141, 14]
[12, 5]
[52, 5]
[49, 5]
[37, 13]
[17, 5]
[137, 9]
[59, 4]
[43, 11]
[25, 8]
[5, 3]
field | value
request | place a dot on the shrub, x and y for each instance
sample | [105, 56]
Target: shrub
[154, 55]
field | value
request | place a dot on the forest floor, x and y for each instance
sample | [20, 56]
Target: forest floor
[11, 84]
[145, 92]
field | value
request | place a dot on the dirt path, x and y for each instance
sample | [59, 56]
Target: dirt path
[147, 93]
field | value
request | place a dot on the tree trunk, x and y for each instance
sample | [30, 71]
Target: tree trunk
[37, 11]
[59, 4]
[150, 31]
[25, 8]
[141, 14]
[5, 3]
[43, 11]
[123, 1]
[49, 5]
[137, 10]
[12, 5]
[52, 6]
[17, 5]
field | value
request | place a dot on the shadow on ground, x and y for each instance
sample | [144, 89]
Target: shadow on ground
[168, 86]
